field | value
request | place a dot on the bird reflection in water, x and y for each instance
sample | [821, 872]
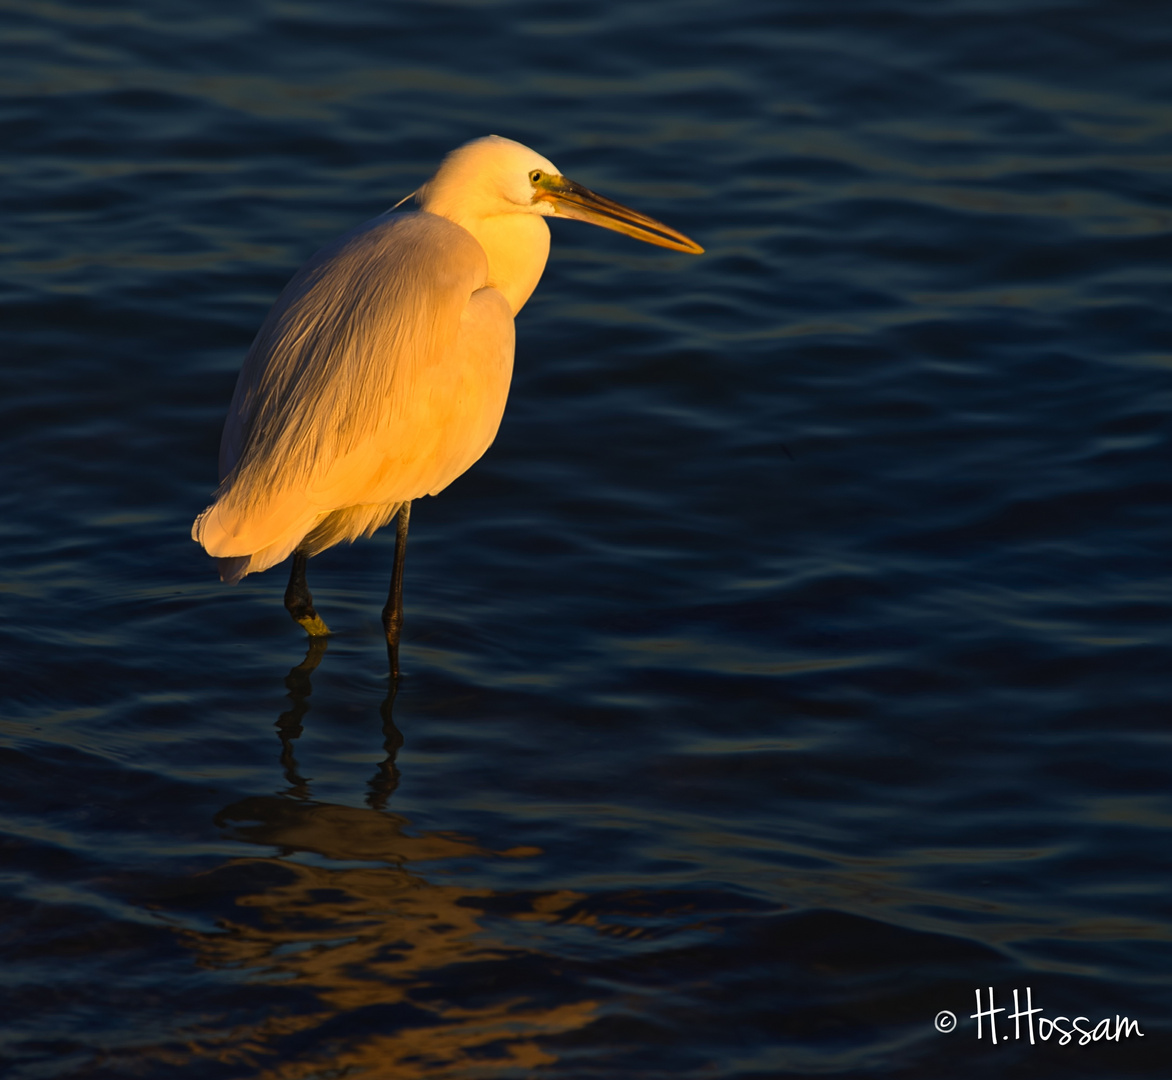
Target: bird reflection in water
[289, 729]
[389, 974]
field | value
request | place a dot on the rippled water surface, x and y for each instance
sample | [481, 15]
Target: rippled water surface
[794, 664]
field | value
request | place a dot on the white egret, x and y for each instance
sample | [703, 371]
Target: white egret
[381, 373]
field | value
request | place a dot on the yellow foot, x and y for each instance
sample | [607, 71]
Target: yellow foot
[313, 625]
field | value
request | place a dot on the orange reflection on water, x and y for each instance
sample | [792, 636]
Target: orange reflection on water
[372, 937]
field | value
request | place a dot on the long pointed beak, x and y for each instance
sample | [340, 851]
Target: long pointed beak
[572, 200]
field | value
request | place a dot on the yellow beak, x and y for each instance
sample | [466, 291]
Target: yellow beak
[572, 200]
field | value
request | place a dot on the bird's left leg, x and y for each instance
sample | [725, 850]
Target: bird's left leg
[393, 612]
[299, 600]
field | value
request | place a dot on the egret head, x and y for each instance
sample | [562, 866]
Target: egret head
[492, 176]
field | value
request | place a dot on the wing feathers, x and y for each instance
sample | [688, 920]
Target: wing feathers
[327, 414]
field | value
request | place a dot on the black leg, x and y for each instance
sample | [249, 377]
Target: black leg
[299, 600]
[393, 612]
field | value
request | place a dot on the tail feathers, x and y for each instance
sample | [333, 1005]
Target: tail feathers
[234, 568]
[231, 550]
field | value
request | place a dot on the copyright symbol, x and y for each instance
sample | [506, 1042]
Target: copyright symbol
[945, 1021]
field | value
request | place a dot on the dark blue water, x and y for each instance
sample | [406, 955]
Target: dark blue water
[797, 661]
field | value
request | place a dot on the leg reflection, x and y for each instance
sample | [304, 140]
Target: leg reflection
[386, 779]
[289, 726]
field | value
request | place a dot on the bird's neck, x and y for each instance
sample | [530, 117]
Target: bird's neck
[517, 246]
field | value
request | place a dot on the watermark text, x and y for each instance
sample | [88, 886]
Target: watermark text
[1026, 1021]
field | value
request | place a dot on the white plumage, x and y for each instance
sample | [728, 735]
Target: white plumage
[381, 373]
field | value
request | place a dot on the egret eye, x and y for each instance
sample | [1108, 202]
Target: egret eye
[535, 176]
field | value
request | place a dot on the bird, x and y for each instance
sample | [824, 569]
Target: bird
[381, 372]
